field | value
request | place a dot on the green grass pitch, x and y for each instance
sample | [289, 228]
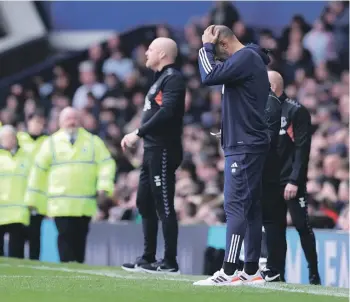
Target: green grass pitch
[32, 281]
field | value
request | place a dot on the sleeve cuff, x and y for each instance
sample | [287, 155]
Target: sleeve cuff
[209, 46]
[141, 132]
[293, 182]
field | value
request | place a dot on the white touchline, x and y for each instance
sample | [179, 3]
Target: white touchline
[80, 277]
[319, 291]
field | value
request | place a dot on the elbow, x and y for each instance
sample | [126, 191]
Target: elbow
[207, 81]
[168, 112]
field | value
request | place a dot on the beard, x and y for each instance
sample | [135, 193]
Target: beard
[72, 130]
[222, 55]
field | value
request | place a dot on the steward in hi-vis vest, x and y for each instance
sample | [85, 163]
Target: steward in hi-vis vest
[31, 142]
[72, 169]
[14, 171]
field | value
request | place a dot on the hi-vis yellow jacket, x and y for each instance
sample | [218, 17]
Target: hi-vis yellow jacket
[69, 176]
[32, 148]
[14, 171]
[29, 144]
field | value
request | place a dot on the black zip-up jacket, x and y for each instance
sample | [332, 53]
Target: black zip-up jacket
[294, 142]
[273, 112]
[164, 109]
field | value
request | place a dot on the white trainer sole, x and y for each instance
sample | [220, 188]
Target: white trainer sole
[132, 270]
[253, 283]
[212, 284]
[160, 272]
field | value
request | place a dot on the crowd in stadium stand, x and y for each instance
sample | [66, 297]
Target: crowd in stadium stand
[313, 59]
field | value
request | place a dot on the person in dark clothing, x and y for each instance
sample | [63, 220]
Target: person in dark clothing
[271, 180]
[161, 130]
[293, 151]
[224, 13]
[31, 142]
[245, 141]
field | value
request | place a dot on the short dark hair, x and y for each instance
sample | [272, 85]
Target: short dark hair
[225, 32]
[38, 113]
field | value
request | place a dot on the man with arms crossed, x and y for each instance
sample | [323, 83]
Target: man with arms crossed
[245, 141]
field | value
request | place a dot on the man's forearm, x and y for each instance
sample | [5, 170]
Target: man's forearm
[299, 166]
[156, 121]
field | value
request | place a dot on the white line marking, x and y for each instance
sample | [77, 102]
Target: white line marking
[36, 276]
[290, 288]
[319, 290]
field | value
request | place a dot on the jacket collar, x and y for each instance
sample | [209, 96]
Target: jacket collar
[158, 73]
[283, 97]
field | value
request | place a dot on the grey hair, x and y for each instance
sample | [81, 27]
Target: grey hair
[7, 128]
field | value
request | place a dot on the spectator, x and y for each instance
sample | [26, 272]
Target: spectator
[97, 57]
[113, 44]
[339, 22]
[162, 31]
[89, 84]
[319, 43]
[224, 13]
[244, 34]
[297, 23]
[295, 57]
[118, 65]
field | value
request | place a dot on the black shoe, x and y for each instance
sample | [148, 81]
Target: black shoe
[315, 279]
[161, 267]
[136, 266]
[270, 275]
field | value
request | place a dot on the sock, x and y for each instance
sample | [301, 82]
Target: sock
[229, 268]
[251, 268]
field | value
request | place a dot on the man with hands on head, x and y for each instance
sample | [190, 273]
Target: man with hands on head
[245, 141]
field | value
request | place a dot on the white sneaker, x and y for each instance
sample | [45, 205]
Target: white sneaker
[221, 279]
[255, 279]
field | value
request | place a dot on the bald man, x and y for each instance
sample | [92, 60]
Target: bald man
[293, 151]
[245, 141]
[73, 169]
[161, 130]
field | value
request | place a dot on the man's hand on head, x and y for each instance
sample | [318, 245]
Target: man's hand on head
[210, 35]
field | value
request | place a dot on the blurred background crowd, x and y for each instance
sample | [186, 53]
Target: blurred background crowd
[109, 84]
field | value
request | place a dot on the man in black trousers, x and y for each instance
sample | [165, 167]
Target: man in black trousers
[293, 152]
[161, 130]
[271, 180]
[31, 142]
